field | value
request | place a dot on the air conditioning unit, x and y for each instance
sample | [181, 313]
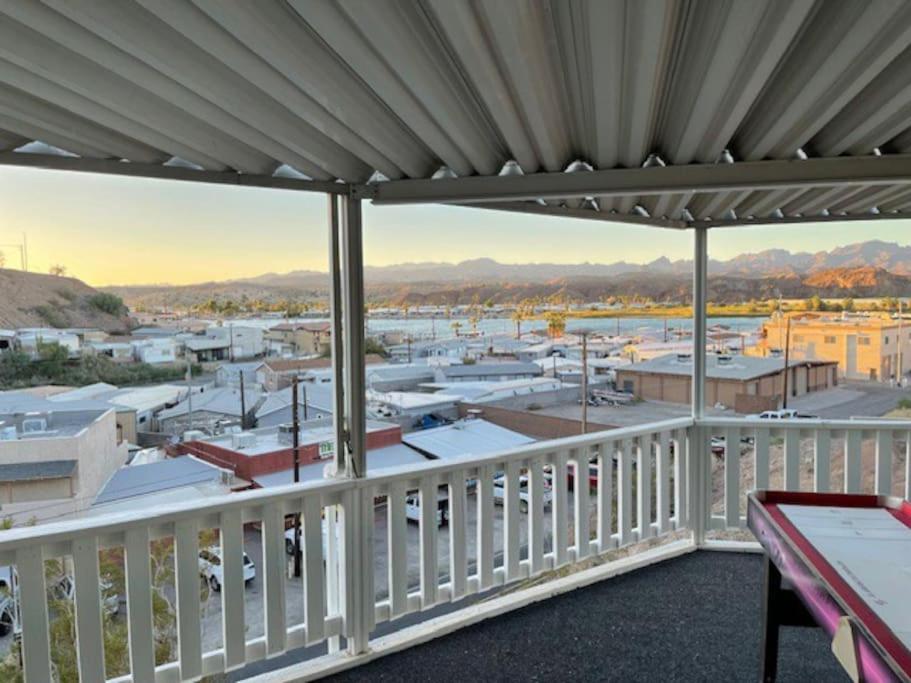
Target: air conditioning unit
[684, 357]
[7, 433]
[243, 440]
[724, 360]
[33, 425]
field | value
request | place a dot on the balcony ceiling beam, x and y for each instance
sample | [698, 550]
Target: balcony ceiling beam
[746, 176]
[145, 170]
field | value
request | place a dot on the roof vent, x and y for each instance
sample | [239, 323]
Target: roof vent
[684, 357]
[724, 360]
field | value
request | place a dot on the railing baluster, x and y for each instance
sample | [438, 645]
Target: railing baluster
[560, 508]
[681, 455]
[429, 491]
[625, 492]
[883, 466]
[485, 527]
[397, 525]
[511, 521]
[333, 579]
[186, 567]
[605, 495]
[458, 522]
[644, 486]
[89, 639]
[139, 605]
[536, 515]
[273, 536]
[761, 458]
[853, 443]
[581, 502]
[792, 459]
[36, 651]
[313, 567]
[232, 589]
[732, 477]
[663, 482]
[822, 460]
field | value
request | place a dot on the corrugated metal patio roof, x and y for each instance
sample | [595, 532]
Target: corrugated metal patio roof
[665, 112]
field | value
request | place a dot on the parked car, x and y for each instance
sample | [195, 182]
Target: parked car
[592, 474]
[65, 589]
[289, 539]
[499, 491]
[7, 615]
[210, 567]
[413, 507]
[783, 414]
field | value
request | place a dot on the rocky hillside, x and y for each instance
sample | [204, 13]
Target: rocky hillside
[37, 300]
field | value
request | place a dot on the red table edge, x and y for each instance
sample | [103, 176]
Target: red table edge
[875, 630]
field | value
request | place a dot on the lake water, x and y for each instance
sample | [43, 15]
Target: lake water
[646, 327]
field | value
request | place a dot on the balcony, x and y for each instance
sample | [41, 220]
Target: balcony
[657, 492]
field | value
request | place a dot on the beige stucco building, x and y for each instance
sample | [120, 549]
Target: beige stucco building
[866, 347]
[745, 383]
[54, 461]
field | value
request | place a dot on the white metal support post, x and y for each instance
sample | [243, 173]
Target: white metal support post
[699, 452]
[358, 505]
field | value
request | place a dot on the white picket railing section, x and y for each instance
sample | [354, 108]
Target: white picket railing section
[640, 493]
[802, 455]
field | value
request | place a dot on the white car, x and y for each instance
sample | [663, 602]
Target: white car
[65, 589]
[499, 491]
[210, 566]
[783, 414]
[289, 539]
[413, 507]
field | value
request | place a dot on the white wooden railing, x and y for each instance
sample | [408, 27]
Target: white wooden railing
[640, 493]
[801, 455]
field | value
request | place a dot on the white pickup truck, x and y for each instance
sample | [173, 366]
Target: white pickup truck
[499, 491]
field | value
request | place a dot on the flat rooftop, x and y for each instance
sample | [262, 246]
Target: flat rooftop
[736, 367]
[693, 618]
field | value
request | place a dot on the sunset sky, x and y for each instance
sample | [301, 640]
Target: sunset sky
[110, 230]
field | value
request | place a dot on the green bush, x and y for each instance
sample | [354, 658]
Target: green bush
[52, 316]
[107, 303]
[905, 404]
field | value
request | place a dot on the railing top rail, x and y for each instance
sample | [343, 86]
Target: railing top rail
[119, 522]
[807, 423]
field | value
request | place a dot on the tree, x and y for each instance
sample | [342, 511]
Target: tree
[815, 303]
[556, 323]
[456, 326]
[847, 305]
[58, 270]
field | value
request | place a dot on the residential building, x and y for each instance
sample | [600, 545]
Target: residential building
[207, 349]
[145, 402]
[448, 349]
[256, 452]
[167, 481]
[229, 374]
[155, 350]
[466, 437]
[314, 402]
[276, 373]
[117, 351]
[29, 340]
[486, 372]
[865, 346]
[212, 410]
[54, 459]
[303, 337]
[243, 341]
[7, 340]
[745, 383]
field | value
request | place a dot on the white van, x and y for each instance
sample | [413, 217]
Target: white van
[499, 491]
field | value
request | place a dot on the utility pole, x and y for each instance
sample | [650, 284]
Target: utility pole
[304, 401]
[584, 384]
[243, 403]
[787, 370]
[190, 394]
[900, 371]
[295, 445]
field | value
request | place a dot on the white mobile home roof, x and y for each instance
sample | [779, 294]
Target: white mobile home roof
[466, 437]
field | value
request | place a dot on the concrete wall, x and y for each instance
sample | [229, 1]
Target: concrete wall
[530, 423]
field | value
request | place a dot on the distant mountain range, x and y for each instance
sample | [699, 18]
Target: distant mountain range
[873, 268]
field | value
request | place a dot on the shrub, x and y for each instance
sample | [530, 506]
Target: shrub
[107, 303]
[52, 316]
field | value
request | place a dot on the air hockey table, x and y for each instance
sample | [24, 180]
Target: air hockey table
[841, 562]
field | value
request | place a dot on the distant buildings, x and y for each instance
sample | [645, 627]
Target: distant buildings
[866, 347]
[485, 372]
[745, 383]
[213, 411]
[300, 339]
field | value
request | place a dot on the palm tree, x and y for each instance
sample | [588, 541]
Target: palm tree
[456, 326]
[518, 316]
